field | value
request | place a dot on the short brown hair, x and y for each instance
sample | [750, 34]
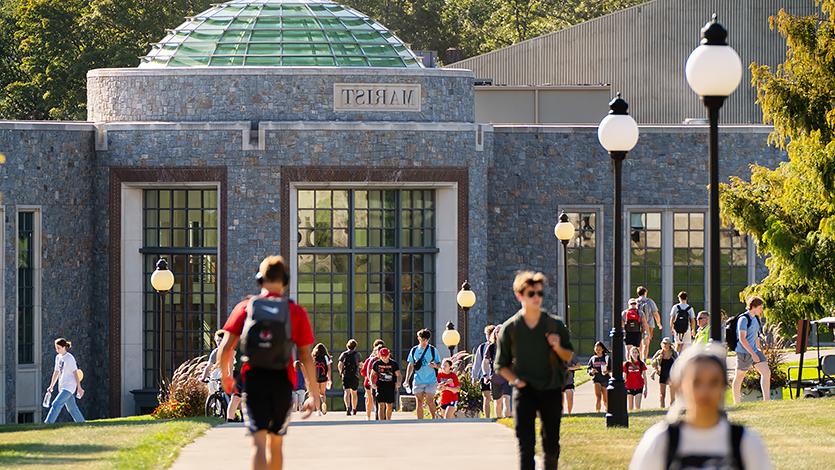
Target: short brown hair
[488, 330]
[274, 269]
[525, 279]
[754, 302]
[424, 334]
[378, 343]
[682, 295]
[63, 343]
[352, 344]
[641, 290]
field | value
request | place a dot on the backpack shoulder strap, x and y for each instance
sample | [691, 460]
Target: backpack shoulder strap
[737, 431]
[673, 435]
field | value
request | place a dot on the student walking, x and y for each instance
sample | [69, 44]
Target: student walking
[568, 389]
[422, 370]
[269, 326]
[500, 389]
[662, 362]
[477, 373]
[300, 390]
[365, 371]
[449, 386]
[598, 367]
[533, 348]
[385, 380]
[749, 349]
[349, 365]
[635, 372]
[702, 328]
[696, 433]
[634, 324]
[649, 310]
[683, 322]
[322, 361]
[213, 371]
[68, 376]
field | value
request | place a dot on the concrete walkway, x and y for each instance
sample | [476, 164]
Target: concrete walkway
[336, 441]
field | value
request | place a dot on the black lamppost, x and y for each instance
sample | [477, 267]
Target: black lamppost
[451, 338]
[466, 300]
[713, 71]
[618, 134]
[564, 230]
[162, 280]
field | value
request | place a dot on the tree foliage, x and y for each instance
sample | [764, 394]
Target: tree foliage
[790, 210]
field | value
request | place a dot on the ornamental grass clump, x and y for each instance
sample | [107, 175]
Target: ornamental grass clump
[185, 394]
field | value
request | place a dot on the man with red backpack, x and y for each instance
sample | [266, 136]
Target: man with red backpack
[270, 326]
[634, 325]
[365, 371]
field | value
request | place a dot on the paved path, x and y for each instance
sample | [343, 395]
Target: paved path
[336, 441]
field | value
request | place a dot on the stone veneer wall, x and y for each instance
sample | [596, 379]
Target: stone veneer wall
[266, 93]
[51, 165]
[539, 169]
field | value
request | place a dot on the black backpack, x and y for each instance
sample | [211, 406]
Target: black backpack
[266, 340]
[731, 339]
[349, 364]
[675, 462]
[681, 323]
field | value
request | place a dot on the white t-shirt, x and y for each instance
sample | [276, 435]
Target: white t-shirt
[65, 365]
[651, 453]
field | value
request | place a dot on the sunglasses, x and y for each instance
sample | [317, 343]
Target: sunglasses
[533, 294]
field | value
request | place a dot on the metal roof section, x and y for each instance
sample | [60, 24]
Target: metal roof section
[289, 33]
[641, 51]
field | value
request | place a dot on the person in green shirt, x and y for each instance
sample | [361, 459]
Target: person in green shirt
[703, 329]
[533, 348]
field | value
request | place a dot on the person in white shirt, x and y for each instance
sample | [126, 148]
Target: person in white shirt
[696, 433]
[683, 322]
[68, 375]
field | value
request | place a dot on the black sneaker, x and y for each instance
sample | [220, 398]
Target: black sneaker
[349, 412]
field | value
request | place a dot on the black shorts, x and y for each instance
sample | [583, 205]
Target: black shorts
[633, 338]
[350, 382]
[447, 405]
[601, 379]
[500, 389]
[267, 397]
[385, 394]
[634, 391]
[485, 385]
[239, 383]
[568, 387]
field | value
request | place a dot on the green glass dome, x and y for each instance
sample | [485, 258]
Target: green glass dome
[289, 33]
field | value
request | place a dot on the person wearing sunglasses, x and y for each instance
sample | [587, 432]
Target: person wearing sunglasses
[533, 349]
[702, 328]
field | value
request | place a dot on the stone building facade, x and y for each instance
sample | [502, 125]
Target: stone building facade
[383, 210]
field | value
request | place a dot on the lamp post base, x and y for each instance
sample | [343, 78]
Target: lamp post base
[616, 415]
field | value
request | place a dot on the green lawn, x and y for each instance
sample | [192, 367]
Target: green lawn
[798, 434]
[139, 442]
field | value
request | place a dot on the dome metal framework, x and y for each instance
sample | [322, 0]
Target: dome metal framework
[318, 33]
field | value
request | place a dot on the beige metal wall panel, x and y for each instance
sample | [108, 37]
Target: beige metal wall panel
[642, 50]
[505, 106]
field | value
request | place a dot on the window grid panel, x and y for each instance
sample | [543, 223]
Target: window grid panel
[26, 288]
[733, 247]
[180, 219]
[391, 290]
[582, 281]
[689, 258]
[645, 252]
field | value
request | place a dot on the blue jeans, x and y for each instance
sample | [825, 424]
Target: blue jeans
[64, 398]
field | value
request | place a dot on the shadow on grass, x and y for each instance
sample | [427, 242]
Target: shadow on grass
[103, 423]
[38, 453]
[642, 413]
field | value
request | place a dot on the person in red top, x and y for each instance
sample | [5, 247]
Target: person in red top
[449, 387]
[267, 392]
[365, 371]
[635, 372]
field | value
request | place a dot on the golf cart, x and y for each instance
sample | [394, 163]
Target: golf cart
[824, 384]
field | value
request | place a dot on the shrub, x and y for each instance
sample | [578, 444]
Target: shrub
[184, 395]
[470, 398]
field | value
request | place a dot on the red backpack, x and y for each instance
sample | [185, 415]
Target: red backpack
[633, 321]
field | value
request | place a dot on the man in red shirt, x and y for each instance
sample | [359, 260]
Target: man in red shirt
[267, 391]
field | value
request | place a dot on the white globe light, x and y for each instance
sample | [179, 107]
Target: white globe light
[451, 338]
[564, 231]
[713, 70]
[162, 280]
[618, 133]
[466, 298]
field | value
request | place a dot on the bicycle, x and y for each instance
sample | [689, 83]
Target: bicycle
[216, 402]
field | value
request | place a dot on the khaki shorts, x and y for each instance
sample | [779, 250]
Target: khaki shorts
[744, 361]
